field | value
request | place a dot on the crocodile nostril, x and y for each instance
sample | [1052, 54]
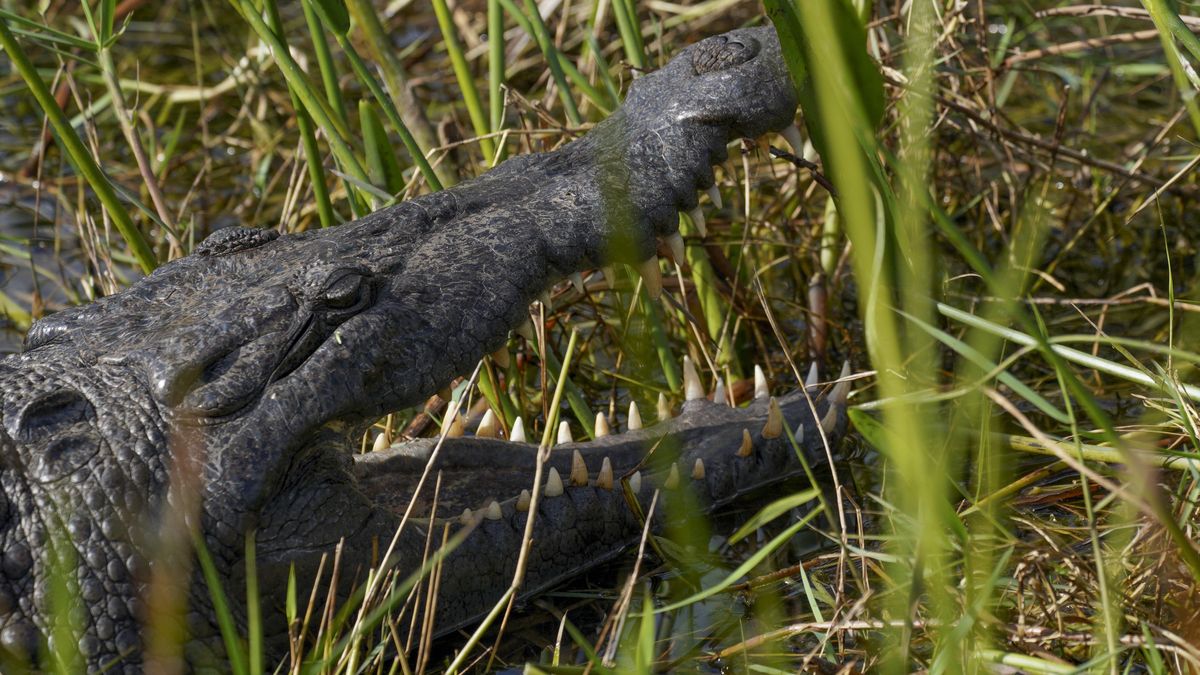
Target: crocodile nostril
[721, 52]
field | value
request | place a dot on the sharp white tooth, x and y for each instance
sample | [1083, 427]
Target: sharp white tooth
[554, 484]
[692, 389]
[841, 390]
[747, 447]
[518, 432]
[489, 426]
[523, 500]
[454, 425]
[579, 470]
[698, 469]
[381, 443]
[493, 511]
[794, 139]
[761, 389]
[675, 245]
[774, 425]
[697, 217]
[526, 331]
[651, 277]
[800, 433]
[635, 482]
[719, 396]
[604, 479]
[672, 481]
[664, 407]
[830, 419]
[500, 357]
[466, 516]
[564, 433]
[635, 417]
[601, 426]
[814, 376]
[577, 282]
[714, 195]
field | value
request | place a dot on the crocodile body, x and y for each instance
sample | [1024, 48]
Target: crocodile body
[225, 394]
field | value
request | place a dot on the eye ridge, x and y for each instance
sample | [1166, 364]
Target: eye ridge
[348, 290]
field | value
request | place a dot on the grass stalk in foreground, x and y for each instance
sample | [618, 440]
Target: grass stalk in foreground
[505, 602]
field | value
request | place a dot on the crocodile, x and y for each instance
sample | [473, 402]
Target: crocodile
[222, 399]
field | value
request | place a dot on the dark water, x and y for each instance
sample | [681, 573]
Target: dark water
[45, 264]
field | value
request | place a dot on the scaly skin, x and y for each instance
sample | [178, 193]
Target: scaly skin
[227, 389]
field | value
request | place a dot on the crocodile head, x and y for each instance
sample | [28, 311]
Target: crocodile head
[258, 360]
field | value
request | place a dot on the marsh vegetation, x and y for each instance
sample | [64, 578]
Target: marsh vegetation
[1009, 259]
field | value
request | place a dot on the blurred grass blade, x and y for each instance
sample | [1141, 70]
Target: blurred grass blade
[774, 510]
[986, 364]
[1170, 28]
[40, 31]
[333, 13]
[749, 564]
[234, 650]
[1073, 355]
[80, 158]
[254, 624]
[863, 91]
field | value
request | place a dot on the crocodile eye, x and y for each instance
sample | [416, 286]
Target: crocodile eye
[347, 291]
[721, 52]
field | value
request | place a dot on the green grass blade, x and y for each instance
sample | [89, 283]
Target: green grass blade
[325, 64]
[466, 82]
[39, 31]
[335, 131]
[382, 165]
[749, 564]
[308, 137]
[234, 651]
[389, 109]
[495, 19]
[552, 55]
[553, 59]
[772, 511]
[380, 45]
[80, 158]
[254, 624]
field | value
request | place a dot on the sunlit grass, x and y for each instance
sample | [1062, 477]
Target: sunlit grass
[1028, 499]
